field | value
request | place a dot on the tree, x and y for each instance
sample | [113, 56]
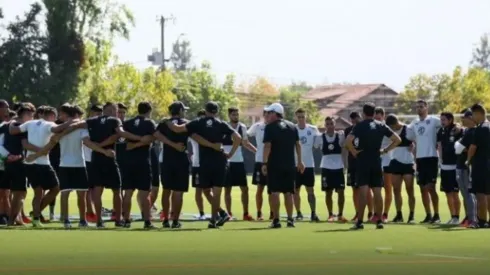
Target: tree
[475, 88]
[181, 55]
[259, 92]
[425, 87]
[23, 69]
[292, 100]
[481, 55]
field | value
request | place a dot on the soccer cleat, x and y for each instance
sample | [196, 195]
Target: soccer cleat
[299, 216]
[331, 218]
[119, 224]
[3, 220]
[314, 218]
[397, 219]
[106, 211]
[91, 217]
[176, 225]
[67, 224]
[380, 225]
[100, 225]
[473, 225]
[127, 224]
[384, 218]
[248, 218]
[83, 224]
[341, 219]
[436, 220]
[260, 218]
[26, 219]
[202, 218]
[51, 216]
[149, 226]
[427, 219]
[453, 221]
[212, 225]
[357, 226]
[36, 223]
[290, 223]
[275, 224]
[166, 224]
[223, 219]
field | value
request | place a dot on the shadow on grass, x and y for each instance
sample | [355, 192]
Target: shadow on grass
[253, 229]
[112, 229]
[336, 230]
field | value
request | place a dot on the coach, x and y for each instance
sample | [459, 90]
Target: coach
[281, 139]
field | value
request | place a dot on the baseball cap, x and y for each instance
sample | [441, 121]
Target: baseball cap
[276, 108]
[176, 106]
[467, 114]
[211, 107]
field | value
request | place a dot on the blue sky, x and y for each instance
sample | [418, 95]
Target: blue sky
[375, 41]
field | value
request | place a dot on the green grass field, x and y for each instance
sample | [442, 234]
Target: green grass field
[247, 247]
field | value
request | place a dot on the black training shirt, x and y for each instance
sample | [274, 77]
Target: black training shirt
[351, 161]
[368, 135]
[213, 130]
[466, 142]
[13, 143]
[282, 135]
[140, 126]
[101, 128]
[481, 140]
[170, 153]
[447, 136]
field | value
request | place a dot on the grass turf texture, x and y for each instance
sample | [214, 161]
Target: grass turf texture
[247, 247]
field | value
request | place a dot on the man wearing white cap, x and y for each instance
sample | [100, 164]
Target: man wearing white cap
[281, 140]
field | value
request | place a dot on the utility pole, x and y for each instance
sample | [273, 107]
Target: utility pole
[163, 20]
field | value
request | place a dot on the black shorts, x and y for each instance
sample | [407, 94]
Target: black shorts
[4, 182]
[351, 177]
[480, 178]
[212, 175]
[73, 178]
[195, 177]
[387, 169]
[307, 178]
[88, 168]
[105, 172]
[399, 168]
[258, 177]
[369, 173]
[137, 176]
[15, 175]
[448, 181]
[41, 176]
[236, 175]
[333, 179]
[175, 176]
[427, 169]
[281, 179]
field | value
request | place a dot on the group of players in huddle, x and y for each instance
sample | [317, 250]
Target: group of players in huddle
[56, 150]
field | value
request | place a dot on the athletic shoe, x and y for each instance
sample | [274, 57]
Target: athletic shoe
[83, 224]
[357, 226]
[212, 225]
[106, 211]
[3, 220]
[398, 219]
[314, 218]
[36, 223]
[436, 220]
[127, 224]
[176, 225]
[299, 217]
[428, 219]
[67, 224]
[223, 219]
[473, 225]
[248, 218]
[202, 218]
[260, 218]
[341, 219]
[166, 224]
[119, 224]
[26, 219]
[384, 218]
[290, 223]
[331, 218]
[100, 225]
[149, 226]
[51, 216]
[453, 221]
[91, 217]
[380, 225]
[465, 222]
[275, 224]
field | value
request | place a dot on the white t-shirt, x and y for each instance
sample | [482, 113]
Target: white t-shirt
[332, 161]
[195, 153]
[238, 156]
[39, 134]
[402, 154]
[424, 134]
[257, 131]
[307, 138]
[71, 149]
[386, 158]
[87, 153]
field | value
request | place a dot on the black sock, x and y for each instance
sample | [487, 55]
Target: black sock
[272, 214]
[456, 216]
[379, 221]
[330, 214]
[429, 215]
[399, 213]
[259, 214]
[370, 214]
[245, 213]
[147, 222]
[436, 215]
[275, 221]
[385, 214]
[313, 213]
[341, 214]
[201, 213]
[410, 216]
[222, 212]
[359, 222]
[299, 213]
